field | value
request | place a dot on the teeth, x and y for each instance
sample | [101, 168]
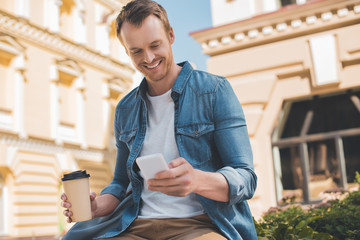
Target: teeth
[153, 66]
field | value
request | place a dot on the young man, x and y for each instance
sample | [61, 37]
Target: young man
[195, 120]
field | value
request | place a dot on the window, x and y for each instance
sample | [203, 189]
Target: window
[72, 19]
[52, 15]
[102, 29]
[6, 88]
[79, 22]
[67, 102]
[67, 97]
[66, 11]
[22, 8]
[113, 95]
[2, 205]
[317, 145]
[289, 2]
[352, 153]
[11, 85]
[324, 58]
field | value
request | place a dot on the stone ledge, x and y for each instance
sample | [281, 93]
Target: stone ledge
[23, 29]
[31, 238]
[287, 22]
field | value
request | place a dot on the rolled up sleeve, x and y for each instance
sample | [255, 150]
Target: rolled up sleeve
[233, 144]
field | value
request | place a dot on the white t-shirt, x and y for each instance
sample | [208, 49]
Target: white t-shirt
[160, 138]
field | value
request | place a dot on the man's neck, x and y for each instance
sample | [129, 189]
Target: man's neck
[161, 87]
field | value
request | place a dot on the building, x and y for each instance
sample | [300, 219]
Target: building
[62, 71]
[295, 68]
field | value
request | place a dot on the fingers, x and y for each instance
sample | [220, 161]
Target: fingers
[92, 196]
[182, 180]
[63, 197]
[67, 213]
[180, 186]
[66, 205]
[179, 180]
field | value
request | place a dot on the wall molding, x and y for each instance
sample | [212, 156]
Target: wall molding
[50, 147]
[287, 22]
[23, 29]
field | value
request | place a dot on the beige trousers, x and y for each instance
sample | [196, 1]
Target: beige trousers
[199, 228]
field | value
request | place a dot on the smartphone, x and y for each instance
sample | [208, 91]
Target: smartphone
[151, 164]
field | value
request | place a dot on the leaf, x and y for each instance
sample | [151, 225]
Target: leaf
[323, 236]
[264, 238]
[307, 232]
[280, 232]
[300, 225]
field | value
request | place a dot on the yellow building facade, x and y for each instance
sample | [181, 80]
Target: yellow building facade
[62, 71]
[295, 69]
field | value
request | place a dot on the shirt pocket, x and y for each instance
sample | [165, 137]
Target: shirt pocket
[197, 142]
[128, 137]
[196, 130]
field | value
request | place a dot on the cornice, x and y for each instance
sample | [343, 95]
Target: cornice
[23, 29]
[288, 22]
[50, 147]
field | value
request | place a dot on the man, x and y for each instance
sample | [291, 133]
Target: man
[195, 120]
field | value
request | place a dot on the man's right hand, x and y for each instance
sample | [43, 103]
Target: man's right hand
[65, 204]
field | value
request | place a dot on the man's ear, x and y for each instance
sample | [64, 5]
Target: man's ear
[171, 36]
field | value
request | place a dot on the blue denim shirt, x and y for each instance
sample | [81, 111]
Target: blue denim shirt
[211, 134]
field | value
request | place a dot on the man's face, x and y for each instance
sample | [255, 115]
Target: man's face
[149, 48]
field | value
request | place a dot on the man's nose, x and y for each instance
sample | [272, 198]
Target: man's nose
[149, 56]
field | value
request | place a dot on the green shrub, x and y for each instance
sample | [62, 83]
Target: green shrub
[338, 219]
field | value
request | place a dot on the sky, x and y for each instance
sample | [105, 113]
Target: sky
[187, 16]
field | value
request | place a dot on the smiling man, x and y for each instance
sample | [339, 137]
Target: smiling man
[149, 47]
[195, 121]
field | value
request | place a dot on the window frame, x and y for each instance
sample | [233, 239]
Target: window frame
[301, 142]
[3, 206]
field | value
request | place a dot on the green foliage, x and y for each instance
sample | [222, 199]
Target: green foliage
[341, 219]
[338, 220]
[357, 178]
[290, 224]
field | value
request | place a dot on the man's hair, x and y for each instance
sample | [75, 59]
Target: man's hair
[136, 11]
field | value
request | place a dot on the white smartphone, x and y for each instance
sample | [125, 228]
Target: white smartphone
[151, 164]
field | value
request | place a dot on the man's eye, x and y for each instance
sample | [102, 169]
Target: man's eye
[136, 52]
[154, 46]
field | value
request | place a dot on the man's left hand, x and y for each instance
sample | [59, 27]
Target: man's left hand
[180, 180]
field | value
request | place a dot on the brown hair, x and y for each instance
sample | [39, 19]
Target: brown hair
[136, 11]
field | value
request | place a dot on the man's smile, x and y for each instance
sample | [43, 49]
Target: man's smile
[153, 66]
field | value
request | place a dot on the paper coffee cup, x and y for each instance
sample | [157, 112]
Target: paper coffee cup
[77, 189]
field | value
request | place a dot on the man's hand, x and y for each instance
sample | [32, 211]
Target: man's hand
[182, 179]
[67, 205]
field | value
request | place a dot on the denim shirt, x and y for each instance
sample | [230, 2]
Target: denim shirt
[211, 134]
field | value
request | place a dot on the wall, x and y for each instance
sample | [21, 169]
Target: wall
[57, 115]
[269, 59]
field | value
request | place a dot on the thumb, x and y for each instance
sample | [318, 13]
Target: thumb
[177, 162]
